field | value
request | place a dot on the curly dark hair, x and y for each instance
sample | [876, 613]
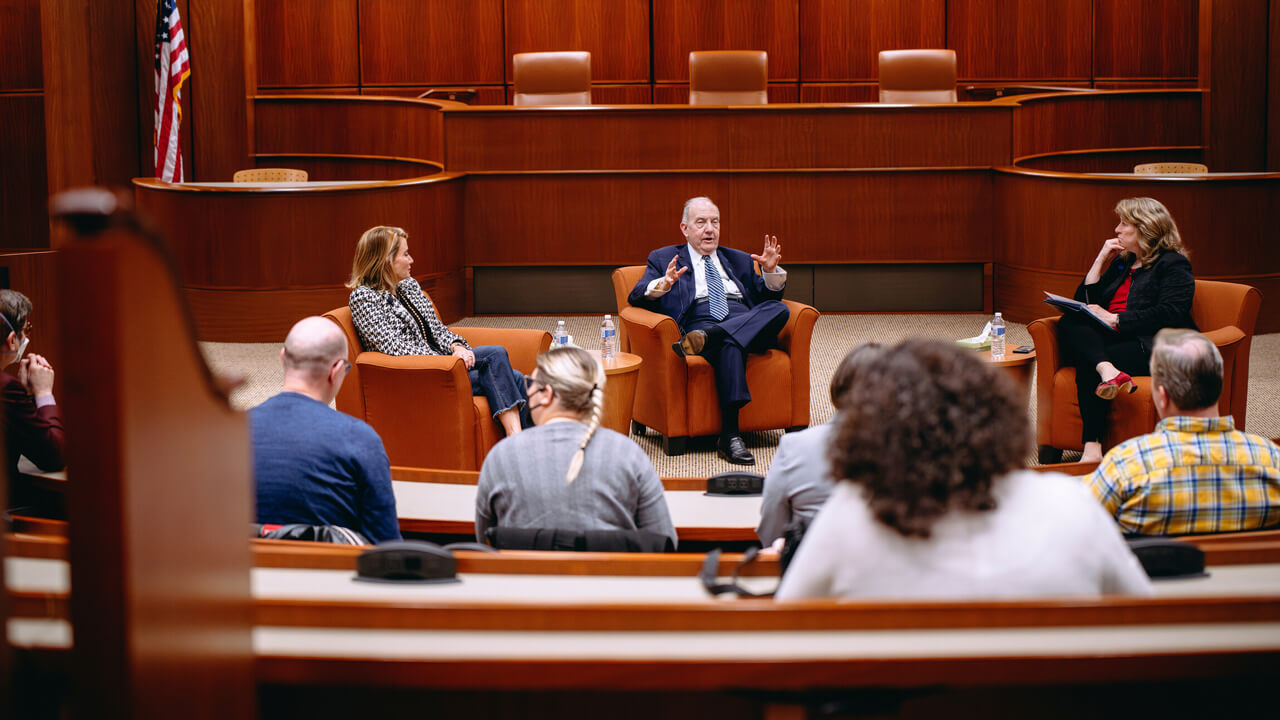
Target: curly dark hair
[925, 429]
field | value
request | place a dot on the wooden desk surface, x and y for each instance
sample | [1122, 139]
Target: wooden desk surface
[50, 576]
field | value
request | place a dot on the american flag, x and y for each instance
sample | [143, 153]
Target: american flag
[173, 66]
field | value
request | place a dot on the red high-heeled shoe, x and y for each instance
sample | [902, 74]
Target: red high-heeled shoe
[1109, 389]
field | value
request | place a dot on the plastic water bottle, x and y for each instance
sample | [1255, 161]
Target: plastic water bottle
[997, 337]
[560, 338]
[608, 339]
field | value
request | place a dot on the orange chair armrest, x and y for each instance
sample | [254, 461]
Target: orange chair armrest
[647, 320]
[799, 325]
[443, 363]
[523, 346]
[1224, 337]
[1044, 336]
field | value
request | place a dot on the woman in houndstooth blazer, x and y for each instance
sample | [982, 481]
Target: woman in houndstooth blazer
[392, 315]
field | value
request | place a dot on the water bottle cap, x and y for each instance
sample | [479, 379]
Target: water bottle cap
[606, 316]
[997, 314]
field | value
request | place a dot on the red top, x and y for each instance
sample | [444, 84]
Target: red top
[1120, 300]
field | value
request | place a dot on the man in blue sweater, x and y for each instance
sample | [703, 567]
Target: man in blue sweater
[312, 464]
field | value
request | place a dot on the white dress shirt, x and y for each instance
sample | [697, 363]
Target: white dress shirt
[775, 280]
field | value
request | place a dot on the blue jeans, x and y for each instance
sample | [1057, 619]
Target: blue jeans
[493, 377]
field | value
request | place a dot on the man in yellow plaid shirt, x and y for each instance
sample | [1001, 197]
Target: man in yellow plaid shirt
[1196, 473]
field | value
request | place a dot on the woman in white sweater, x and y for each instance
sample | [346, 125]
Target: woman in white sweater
[931, 503]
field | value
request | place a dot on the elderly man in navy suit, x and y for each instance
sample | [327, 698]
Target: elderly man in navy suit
[724, 308]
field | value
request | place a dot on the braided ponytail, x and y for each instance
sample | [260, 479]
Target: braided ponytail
[578, 379]
[597, 407]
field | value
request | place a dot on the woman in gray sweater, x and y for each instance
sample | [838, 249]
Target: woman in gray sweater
[567, 472]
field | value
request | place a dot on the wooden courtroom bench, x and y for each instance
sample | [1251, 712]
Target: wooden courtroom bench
[498, 633]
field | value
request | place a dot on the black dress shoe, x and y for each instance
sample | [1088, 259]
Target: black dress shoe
[735, 451]
[691, 344]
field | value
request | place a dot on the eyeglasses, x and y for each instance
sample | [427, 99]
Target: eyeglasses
[702, 222]
[346, 365]
[26, 328]
[530, 382]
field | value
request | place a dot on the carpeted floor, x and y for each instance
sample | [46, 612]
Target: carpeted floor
[834, 335]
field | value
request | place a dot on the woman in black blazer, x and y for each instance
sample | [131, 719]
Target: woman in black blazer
[1140, 283]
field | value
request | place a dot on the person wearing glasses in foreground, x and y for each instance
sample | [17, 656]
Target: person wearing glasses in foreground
[568, 472]
[312, 464]
[32, 421]
[931, 502]
[392, 315]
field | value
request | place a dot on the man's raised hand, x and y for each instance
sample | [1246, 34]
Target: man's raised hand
[772, 254]
[673, 273]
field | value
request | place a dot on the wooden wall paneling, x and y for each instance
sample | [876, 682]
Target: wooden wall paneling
[24, 182]
[1119, 119]
[682, 26]
[222, 42]
[783, 93]
[20, 46]
[595, 139]
[292, 250]
[670, 94]
[158, 623]
[356, 126]
[1225, 224]
[485, 94]
[1273, 91]
[307, 42]
[521, 219]
[352, 90]
[1108, 161]
[145, 39]
[34, 274]
[1147, 39]
[91, 110]
[839, 92]
[1233, 68]
[865, 217]
[1142, 84]
[869, 137]
[350, 167]
[841, 39]
[615, 32]
[621, 94]
[425, 42]
[1017, 40]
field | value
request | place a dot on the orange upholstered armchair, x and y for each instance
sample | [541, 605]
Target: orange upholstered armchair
[728, 77]
[421, 405]
[677, 396]
[1225, 312]
[917, 76]
[552, 78]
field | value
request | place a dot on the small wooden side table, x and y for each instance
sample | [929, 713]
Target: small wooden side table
[622, 372]
[1017, 365]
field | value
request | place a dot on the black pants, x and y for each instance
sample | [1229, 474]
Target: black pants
[1085, 343]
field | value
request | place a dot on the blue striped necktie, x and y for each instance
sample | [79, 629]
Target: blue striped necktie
[715, 290]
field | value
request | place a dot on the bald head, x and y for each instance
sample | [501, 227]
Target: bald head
[313, 346]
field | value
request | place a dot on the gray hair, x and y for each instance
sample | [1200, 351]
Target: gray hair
[1188, 366]
[684, 214]
[578, 380]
